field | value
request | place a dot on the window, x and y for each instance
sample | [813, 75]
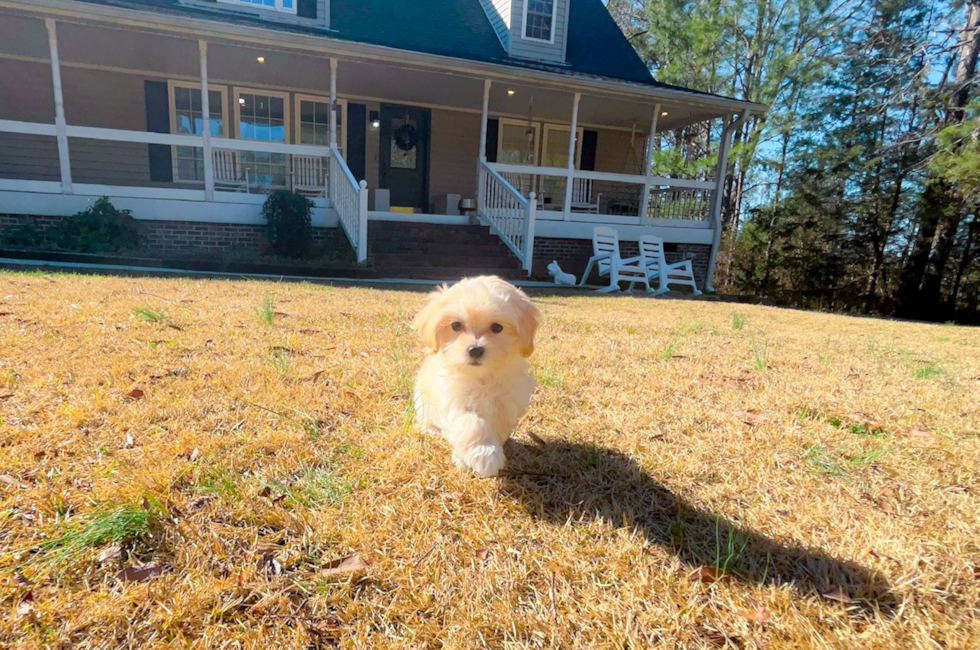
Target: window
[186, 118]
[554, 152]
[285, 6]
[539, 20]
[313, 121]
[517, 142]
[262, 116]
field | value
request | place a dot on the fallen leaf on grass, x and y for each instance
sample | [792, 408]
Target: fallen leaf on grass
[26, 604]
[750, 417]
[11, 481]
[140, 573]
[191, 456]
[7, 396]
[110, 553]
[200, 502]
[266, 492]
[134, 394]
[349, 564]
[758, 616]
[273, 567]
[129, 441]
[309, 331]
[836, 593]
[482, 554]
[707, 574]
[918, 433]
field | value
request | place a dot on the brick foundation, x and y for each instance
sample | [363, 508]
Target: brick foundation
[188, 239]
[573, 256]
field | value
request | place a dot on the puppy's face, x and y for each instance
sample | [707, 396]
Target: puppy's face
[479, 324]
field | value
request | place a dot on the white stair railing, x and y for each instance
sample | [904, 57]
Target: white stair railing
[350, 200]
[509, 215]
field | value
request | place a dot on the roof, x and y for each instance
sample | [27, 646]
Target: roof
[453, 28]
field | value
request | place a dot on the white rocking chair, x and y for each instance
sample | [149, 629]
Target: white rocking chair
[582, 197]
[226, 174]
[605, 248]
[309, 178]
[655, 262]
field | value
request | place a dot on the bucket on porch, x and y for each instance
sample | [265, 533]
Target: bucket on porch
[467, 207]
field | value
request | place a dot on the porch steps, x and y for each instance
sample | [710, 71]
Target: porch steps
[425, 251]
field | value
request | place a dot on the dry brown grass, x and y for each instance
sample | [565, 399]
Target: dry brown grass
[802, 453]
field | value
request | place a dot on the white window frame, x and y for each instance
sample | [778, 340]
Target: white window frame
[341, 132]
[554, 17]
[579, 132]
[257, 5]
[501, 121]
[287, 122]
[171, 99]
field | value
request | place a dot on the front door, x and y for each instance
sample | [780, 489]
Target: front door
[404, 155]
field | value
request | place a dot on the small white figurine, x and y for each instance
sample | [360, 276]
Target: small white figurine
[561, 278]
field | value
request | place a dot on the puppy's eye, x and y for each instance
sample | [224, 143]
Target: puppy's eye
[457, 326]
[496, 328]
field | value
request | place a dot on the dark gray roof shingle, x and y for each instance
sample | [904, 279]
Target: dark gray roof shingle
[454, 28]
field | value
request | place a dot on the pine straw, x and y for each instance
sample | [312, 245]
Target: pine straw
[675, 477]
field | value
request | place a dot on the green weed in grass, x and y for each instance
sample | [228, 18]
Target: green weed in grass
[931, 370]
[266, 311]
[670, 348]
[315, 486]
[824, 461]
[760, 354]
[739, 320]
[868, 457]
[149, 314]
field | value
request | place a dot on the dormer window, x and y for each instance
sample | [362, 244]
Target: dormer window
[539, 20]
[285, 6]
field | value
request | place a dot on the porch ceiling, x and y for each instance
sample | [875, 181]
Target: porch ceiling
[164, 54]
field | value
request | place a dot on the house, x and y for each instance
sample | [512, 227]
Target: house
[392, 115]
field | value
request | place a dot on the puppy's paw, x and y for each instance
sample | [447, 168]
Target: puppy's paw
[485, 460]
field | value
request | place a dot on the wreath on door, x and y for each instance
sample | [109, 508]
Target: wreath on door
[406, 137]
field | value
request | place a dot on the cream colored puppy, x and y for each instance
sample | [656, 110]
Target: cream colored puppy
[474, 385]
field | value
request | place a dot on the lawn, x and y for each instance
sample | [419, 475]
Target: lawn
[219, 464]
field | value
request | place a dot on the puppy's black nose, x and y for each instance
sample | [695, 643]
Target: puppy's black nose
[476, 351]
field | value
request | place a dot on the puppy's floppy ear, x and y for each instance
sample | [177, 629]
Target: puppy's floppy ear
[428, 322]
[528, 318]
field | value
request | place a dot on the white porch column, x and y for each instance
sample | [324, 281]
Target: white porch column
[570, 178]
[333, 102]
[60, 123]
[482, 154]
[648, 165]
[721, 172]
[206, 124]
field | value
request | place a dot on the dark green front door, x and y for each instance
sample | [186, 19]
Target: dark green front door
[404, 155]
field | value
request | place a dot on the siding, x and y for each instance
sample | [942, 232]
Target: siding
[29, 157]
[27, 96]
[526, 49]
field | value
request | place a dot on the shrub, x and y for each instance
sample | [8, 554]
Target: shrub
[289, 227]
[23, 235]
[101, 229]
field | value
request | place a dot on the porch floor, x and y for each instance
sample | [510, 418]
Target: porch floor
[427, 251]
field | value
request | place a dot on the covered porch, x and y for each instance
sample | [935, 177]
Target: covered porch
[193, 123]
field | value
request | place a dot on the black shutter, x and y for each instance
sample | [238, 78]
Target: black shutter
[306, 8]
[356, 139]
[158, 121]
[589, 141]
[493, 129]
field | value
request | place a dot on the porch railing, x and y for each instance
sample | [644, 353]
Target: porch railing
[510, 215]
[628, 199]
[350, 200]
[142, 165]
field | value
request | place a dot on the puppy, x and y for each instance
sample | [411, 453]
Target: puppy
[473, 386]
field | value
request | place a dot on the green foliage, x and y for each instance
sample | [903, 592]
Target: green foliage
[149, 314]
[101, 229]
[22, 235]
[288, 223]
[957, 158]
[266, 311]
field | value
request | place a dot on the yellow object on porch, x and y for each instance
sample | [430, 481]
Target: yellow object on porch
[402, 210]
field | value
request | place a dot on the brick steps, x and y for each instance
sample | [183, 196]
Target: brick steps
[439, 252]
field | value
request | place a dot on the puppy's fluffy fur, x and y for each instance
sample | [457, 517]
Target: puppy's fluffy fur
[473, 386]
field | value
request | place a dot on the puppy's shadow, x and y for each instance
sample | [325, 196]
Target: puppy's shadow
[555, 480]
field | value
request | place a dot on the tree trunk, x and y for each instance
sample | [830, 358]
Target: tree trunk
[949, 220]
[967, 259]
[910, 284]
